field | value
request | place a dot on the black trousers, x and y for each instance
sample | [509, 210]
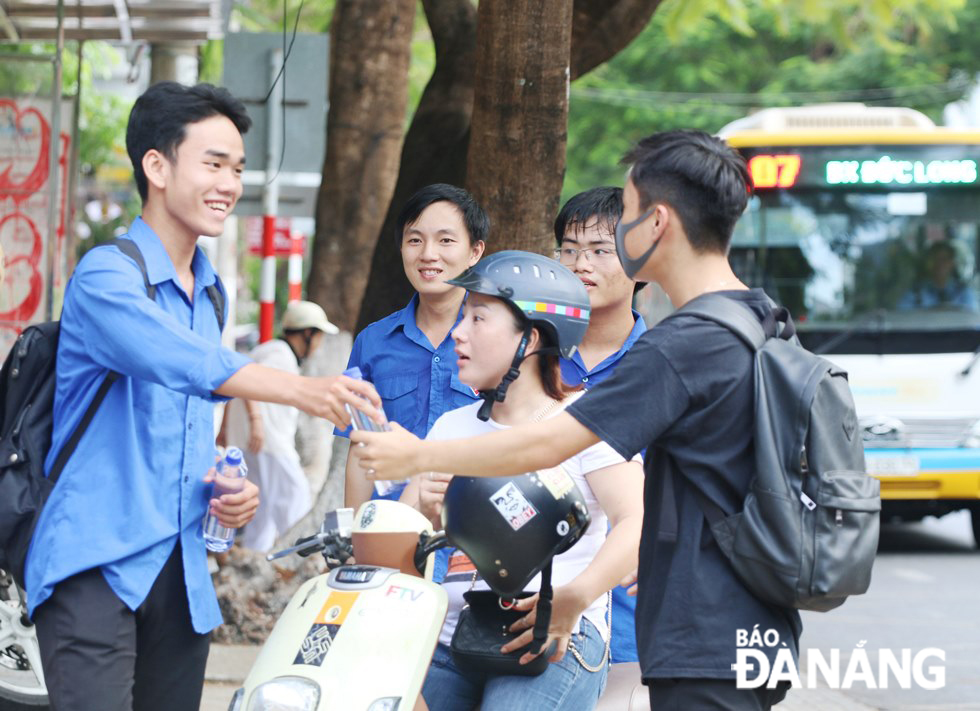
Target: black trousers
[711, 695]
[97, 654]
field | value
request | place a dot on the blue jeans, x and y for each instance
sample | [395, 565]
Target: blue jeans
[566, 685]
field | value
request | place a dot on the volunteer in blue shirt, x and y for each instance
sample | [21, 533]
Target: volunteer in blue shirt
[584, 234]
[117, 577]
[441, 231]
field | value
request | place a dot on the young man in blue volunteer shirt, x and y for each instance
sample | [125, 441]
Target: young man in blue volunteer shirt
[409, 356]
[585, 237]
[685, 393]
[117, 577]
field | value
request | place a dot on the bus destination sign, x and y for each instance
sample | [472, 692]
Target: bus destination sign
[892, 167]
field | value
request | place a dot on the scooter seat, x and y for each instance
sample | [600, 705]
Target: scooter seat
[624, 690]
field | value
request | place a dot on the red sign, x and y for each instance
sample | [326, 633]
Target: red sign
[774, 171]
[282, 237]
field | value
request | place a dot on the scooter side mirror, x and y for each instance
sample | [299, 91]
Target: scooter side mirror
[339, 522]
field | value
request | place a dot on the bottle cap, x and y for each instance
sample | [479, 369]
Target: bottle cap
[354, 372]
[233, 456]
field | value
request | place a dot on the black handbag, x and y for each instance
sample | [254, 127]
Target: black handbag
[484, 627]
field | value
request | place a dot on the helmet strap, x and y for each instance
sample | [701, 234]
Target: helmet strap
[543, 619]
[500, 392]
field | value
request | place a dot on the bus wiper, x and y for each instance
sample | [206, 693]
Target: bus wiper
[875, 315]
[973, 361]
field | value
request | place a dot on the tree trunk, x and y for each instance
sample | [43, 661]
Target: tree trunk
[520, 116]
[435, 146]
[370, 50]
[601, 29]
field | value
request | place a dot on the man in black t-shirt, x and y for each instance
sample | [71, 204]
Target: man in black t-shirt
[684, 391]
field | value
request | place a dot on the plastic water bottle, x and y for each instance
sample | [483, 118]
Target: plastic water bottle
[229, 479]
[360, 421]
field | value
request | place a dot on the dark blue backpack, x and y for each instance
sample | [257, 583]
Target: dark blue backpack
[807, 532]
[27, 381]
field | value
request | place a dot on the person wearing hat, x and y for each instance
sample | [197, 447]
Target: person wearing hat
[266, 432]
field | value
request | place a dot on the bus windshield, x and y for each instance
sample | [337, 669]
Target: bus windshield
[868, 270]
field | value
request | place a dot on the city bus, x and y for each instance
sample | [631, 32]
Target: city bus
[864, 223]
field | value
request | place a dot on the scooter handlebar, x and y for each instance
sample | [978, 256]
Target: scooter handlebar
[329, 543]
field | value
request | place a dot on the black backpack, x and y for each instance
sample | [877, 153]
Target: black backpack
[807, 534]
[27, 381]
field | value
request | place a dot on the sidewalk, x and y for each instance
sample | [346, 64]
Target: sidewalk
[226, 670]
[228, 665]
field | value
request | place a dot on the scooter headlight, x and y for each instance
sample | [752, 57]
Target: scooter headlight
[236, 700]
[286, 693]
[388, 703]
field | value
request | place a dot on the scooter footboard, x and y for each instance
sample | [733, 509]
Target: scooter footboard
[358, 639]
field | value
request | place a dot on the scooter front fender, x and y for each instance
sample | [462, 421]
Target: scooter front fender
[360, 634]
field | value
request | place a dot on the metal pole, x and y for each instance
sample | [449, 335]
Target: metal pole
[295, 266]
[53, 155]
[270, 200]
[68, 252]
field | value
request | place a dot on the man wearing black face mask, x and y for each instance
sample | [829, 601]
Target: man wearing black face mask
[266, 432]
[685, 393]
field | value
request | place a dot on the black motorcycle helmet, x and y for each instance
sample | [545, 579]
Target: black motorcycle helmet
[511, 527]
[542, 293]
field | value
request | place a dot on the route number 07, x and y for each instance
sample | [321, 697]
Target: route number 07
[774, 171]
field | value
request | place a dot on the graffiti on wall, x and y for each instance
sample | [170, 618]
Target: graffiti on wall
[25, 194]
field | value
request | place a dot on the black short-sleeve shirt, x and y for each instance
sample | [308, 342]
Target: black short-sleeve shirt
[685, 392]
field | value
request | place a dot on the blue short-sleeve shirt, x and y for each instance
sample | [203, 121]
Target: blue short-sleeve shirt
[134, 486]
[622, 647]
[416, 381]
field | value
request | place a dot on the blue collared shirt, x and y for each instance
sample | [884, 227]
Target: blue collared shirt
[574, 372]
[416, 382]
[623, 645]
[133, 486]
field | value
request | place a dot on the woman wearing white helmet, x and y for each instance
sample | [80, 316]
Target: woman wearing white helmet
[522, 311]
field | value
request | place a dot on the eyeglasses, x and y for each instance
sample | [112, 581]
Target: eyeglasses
[569, 255]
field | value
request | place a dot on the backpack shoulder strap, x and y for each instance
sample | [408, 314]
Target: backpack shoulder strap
[217, 296]
[129, 248]
[731, 314]
[69, 446]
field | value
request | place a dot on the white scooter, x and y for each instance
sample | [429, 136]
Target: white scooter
[21, 678]
[361, 637]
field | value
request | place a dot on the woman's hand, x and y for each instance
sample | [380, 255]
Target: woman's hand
[630, 583]
[256, 434]
[432, 491]
[390, 456]
[566, 608]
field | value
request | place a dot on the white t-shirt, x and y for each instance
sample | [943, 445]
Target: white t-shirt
[276, 469]
[279, 422]
[463, 422]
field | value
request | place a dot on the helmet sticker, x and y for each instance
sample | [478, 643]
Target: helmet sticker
[557, 481]
[512, 505]
[544, 307]
[367, 518]
[562, 527]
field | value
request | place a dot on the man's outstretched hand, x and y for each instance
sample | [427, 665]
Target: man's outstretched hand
[327, 396]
